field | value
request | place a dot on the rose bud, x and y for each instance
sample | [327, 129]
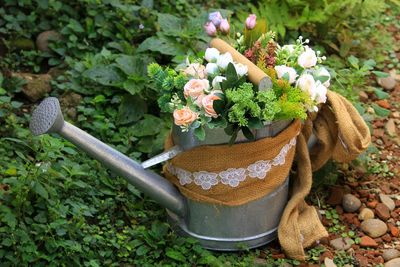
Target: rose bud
[224, 26]
[251, 21]
[210, 29]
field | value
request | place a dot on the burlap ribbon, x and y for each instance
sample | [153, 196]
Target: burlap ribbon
[342, 135]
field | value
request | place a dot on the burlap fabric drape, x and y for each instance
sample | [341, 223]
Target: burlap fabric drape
[219, 158]
[342, 135]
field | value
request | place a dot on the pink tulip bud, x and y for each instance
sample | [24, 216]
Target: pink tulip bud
[215, 18]
[210, 29]
[251, 21]
[224, 26]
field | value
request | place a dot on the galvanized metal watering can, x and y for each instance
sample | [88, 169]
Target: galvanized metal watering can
[216, 227]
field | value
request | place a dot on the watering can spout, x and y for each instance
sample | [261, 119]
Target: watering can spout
[47, 118]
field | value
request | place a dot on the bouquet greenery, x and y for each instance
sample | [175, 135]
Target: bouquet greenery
[214, 90]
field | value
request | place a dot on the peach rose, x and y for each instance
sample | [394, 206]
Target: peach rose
[184, 116]
[207, 103]
[195, 87]
[196, 70]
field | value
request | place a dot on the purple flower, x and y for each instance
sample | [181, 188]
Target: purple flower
[215, 18]
[224, 26]
[251, 21]
[210, 29]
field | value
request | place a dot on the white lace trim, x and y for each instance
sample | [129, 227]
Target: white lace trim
[232, 176]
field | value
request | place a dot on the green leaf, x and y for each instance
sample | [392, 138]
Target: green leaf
[381, 94]
[149, 125]
[380, 74]
[353, 61]
[248, 134]
[131, 109]
[359, 108]
[382, 112]
[231, 74]
[200, 133]
[176, 255]
[40, 190]
[105, 75]
[132, 64]
[255, 123]
[169, 24]
[159, 229]
[219, 106]
[163, 45]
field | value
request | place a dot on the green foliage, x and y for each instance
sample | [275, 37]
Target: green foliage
[269, 104]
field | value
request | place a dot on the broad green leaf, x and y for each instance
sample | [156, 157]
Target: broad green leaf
[176, 255]
[380, 74]
[169, 24]
[381, 94]
[382, 112]
[200, 133]
[149, 125]
[131, 109]
[163, 45]
[248, 134]
[131, 65]
[105, 75]
[40, 190]
[353, 61]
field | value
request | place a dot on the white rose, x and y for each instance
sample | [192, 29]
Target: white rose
[241, 69]
[281, 70]
[308, 58]
[289, 48]
[211, 55]
[322, 72]
[211, 68]
[224, 59]
[216, 82]
[320, 92]
[307, 83]
[196, 70]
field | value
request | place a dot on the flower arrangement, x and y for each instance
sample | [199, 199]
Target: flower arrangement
[214, 91]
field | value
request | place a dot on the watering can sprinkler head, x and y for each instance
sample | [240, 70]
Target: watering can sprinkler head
[47, 117]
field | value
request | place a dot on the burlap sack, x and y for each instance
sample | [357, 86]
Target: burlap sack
[342, 135]
[219, 158]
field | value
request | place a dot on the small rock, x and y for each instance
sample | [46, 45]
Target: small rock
[386, 238]
[350, 203]
[336, 195]
[372, 204]
[389, 254]
[367, 241]
[42, 41]
[394, 231]
[382, 211]
[37, 85]
[329, 262]
[259, 262]
[393, 263]
[363, 96]
[396, 114]
[341, 243]
[387, 83]
[366, 214]
[374, 227]
[390, 127]
[385, 199]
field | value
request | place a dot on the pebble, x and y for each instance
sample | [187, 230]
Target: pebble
[389, 254]
[329, 262]
[363, 96]
[367, 241]
[382, 211]
[387, 83]
[385, 199]
[42, 41]
[36, 86]
[336, 195]
[366, 214]
[350, 203]
[374, 227]
[393, 263]
[341, 243]
[390, 127]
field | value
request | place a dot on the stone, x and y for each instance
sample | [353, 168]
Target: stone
[329, 262]
[390, 128]
[42, 40]
[366, 214]
[391, 253]
[383, 103]
[341, 243]
[374, 227]
[372, 204]
[387, 83]
[393, 263]
[336, 195]
[350, 203]
[37, 85]
[367, 241]
[382, 211]
[386, 238]
[363, 96]
[260, 262]
[385, 199]
[394, 231]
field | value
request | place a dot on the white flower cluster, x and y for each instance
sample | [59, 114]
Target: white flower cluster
[313, 79]
[218, 62]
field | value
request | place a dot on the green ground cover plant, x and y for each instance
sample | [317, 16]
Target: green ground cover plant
[58, 207]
